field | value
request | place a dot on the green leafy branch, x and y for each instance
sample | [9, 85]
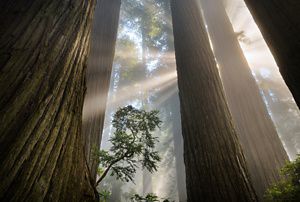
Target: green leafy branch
[133, 144]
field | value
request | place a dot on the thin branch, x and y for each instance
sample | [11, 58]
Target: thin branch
[126, 155]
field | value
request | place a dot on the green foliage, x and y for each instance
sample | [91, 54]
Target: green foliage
[147, 17]
[133, 144]
[148, 198]
[288, 189]
[100, 171]
[104, 195]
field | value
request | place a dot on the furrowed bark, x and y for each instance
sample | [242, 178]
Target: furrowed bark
[262, 147]
[215, 165]
[100, 61]
[43, 49]
[279, 22]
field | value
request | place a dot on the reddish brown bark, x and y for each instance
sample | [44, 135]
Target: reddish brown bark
[262, 147]
[43, 52]
[215, 166]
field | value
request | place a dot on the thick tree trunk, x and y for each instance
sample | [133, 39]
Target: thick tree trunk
[100, 61]
[43, 49]
[279, 22]
[262, 147]
[215, 166]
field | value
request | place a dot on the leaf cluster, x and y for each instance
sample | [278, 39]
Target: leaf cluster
[148, 198]
[104, 195]
[288, 189]
[133, 143]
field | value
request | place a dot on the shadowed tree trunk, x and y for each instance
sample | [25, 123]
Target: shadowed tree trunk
[100, 61]
[215, 166]
[262, 147]
[43, 49]
[279, 22]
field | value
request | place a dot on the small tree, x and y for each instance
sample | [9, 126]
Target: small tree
[132, 144]
[148, 198]
[288, 189]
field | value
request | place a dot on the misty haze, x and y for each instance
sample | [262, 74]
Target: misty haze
[150, 100]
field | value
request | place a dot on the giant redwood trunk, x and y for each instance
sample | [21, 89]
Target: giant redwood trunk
[43, 49]
[262, 147]
[215, 165]
[100, 60]
[279, 22]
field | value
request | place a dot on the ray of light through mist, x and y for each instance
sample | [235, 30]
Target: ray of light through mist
[277, 96]
[144, 75]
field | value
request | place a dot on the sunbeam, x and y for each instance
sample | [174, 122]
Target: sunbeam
[261, 60]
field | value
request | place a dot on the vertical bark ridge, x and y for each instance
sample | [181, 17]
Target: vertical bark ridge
[215, 166]
[42, 152]
[262, 147]
[100, 61]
